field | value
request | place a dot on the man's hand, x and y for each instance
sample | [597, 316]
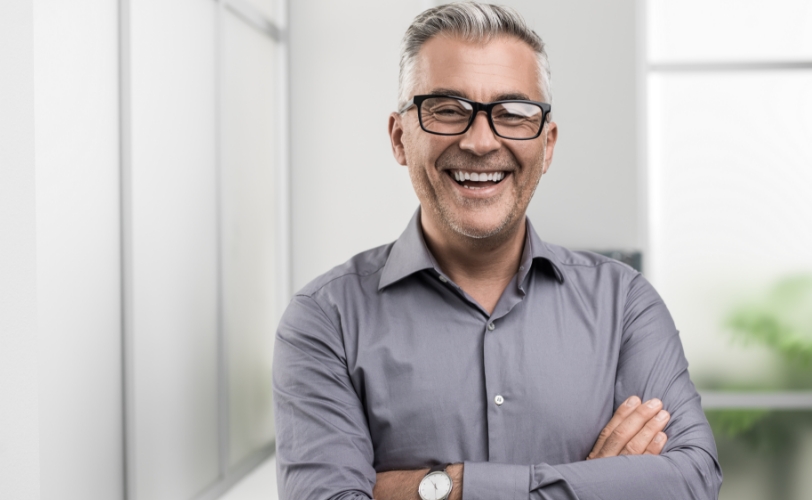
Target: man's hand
[635, 429]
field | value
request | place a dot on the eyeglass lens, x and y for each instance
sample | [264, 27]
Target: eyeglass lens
[514, 120]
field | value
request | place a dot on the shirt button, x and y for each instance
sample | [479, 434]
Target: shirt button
[521, 268]
[443, 279]
[491, 326]
[498, 400]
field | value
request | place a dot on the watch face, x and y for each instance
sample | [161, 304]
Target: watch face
[435, 486]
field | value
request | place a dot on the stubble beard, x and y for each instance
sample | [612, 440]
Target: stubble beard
[442, 204]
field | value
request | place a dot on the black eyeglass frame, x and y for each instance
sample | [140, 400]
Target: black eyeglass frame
[487, 107]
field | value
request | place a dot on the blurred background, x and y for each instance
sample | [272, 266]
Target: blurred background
[171, 171]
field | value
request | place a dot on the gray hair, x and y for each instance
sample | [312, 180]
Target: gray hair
[471, 21]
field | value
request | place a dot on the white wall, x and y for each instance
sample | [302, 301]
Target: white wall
[19, 425]
[589, 198]
[78, 266]
[349, 194]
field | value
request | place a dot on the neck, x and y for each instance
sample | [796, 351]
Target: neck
[482, 267]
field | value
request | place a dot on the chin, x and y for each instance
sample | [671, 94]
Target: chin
[477, 230]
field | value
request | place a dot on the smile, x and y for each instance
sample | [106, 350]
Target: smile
[476, 180]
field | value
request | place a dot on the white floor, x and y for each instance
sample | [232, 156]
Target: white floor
[260, 484]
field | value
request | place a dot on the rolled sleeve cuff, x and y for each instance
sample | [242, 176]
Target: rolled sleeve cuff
[490, 481]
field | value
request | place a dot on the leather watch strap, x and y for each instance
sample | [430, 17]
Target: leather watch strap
[438, 468]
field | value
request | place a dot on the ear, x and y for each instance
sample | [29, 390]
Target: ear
[552, 137]
[396, 137]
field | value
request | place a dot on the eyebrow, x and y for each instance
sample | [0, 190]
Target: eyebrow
[448, 92]
[510, 96]
[500, 97]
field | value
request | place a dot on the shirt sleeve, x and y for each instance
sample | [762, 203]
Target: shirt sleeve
[651, 364]
[323, 446]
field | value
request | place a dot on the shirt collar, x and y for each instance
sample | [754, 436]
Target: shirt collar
[536, 249]
[410, 255]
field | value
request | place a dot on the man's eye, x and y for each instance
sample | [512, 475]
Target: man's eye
[449, 111]
[508, 117]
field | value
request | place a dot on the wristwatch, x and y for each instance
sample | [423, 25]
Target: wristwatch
[436, 485]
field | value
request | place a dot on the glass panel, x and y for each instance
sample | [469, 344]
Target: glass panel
[764, 453]
[265, 7]
[173, 449]
[724, 30]
[730, 217]
[248, 232]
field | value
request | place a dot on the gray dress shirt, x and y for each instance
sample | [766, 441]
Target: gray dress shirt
[385, 363]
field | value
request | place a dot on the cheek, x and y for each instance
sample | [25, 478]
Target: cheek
[422, 150]
[532, 175]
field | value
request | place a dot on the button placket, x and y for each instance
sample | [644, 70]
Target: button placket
[497, 382]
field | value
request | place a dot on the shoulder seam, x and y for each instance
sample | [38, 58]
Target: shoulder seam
[299, 294]
[608, 260]
[326, 316]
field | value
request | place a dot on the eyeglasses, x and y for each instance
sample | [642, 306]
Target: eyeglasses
[510, 119]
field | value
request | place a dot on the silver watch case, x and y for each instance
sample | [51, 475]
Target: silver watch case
[426, 479]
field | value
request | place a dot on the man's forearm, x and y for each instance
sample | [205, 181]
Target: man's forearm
[629, 477]
[402, 484]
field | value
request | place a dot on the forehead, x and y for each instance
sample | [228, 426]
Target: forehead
[481, 71]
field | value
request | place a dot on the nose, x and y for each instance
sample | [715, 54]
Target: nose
[480, 139]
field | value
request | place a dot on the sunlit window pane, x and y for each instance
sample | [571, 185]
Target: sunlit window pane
[730, 170]
[728, 30]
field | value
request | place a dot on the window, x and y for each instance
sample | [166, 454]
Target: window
[729, 167]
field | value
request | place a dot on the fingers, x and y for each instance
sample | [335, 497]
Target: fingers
[657, 444]
[623, 411]
[644, 439]
[624, 436]
[629, 428]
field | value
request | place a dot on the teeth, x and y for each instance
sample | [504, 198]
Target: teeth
[478, 177]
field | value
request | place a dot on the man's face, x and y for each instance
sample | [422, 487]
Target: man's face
[504, 68]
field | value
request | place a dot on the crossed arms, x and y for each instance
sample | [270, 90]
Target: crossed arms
[635, 429]
[325, 451]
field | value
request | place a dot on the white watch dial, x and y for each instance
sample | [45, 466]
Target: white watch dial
[435, 486]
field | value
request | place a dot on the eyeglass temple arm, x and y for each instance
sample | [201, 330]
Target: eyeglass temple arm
[406, 106]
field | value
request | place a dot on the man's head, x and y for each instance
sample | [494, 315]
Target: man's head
[481, 53]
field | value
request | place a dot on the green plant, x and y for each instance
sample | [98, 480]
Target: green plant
[781, 320]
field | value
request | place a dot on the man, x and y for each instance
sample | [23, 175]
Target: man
[470, 359]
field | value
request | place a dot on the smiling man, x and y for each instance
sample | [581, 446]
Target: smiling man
[469, 359]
